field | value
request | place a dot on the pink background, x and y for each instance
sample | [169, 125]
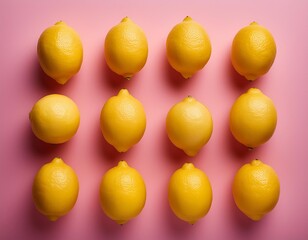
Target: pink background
[158, 87]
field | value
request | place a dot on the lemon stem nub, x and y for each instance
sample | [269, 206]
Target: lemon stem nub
[121, 222]
[59, 22]
[125, 19]
[187, 18]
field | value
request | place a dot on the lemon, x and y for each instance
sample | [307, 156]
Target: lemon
[256, 189]
[253, 118]
[126, 48]
[189, 193]
[123, 121]
[60, 52]
[253, 51]
[189, 125]
[122, 193]
[55, 189]
[188, 47]
[54, 118]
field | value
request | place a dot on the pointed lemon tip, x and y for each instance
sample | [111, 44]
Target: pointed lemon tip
[192, 222]
[255, 217]
[187, 18]
[121, 222]
[254, 23]
[190, 153]
[60, 22]
[188, 166]
[62, 81]
[57, 160]
[189, 98]
[255, 162]
[251, 77]
[123, 91]
[122, 149]
[253, 91]
[125, 19]
[122, 163]
[186, 75]
[53, 218]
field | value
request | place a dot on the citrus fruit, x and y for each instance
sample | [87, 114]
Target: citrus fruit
[189, 193]
[189, 125]
[253, 118]
[54, 118]
[256, 189]
[122, 193]
[60, 52]
[126, 48]
[253, 51]
[122, 121]
[55, 189]
[188, 47]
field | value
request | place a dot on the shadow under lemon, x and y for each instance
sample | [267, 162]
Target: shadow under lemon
[113, 81]
[173, 78]
[46, 84]
[38, 148]
[107, 152]
[237, 218]
[238, 82]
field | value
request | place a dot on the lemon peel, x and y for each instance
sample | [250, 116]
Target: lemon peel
[256, 189]
[60, 52]
[253, 51]
[189, 193]
[54, 118]
[189, 125]
[126, 48]
[188, 47]
[122, 193]
[123, 121]
[253, 118]
[55, 189]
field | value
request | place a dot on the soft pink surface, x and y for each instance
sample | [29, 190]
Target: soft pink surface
[158, 87]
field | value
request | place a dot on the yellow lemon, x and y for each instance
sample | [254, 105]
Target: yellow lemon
[55, 189]
[189, 193]
[54, 118]
[253, 51]
[188, 47]
[256, 189]
[123, 121]
[60, 52]
[126, 48]
[122, 193]
[189, 125]
[253, 118]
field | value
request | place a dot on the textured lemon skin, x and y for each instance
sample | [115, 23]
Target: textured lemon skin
[54, 118]
[256, 189]
[123, 121]
[122, 193]
[253, 51]
[189, 125]
[60, 52]
[253, 118]
[188, 47]
[189, 193]
[126, 48]
[55, 189]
